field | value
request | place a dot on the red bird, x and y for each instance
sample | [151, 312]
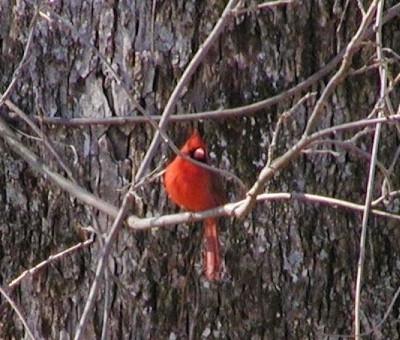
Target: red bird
[196, 189]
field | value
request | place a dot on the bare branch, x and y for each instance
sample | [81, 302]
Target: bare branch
[371, 176]
[50, 13]
[16, 309]
[231, 209]
[33, 271]
[387, 313]
[281, 119]
[4, 98]
[23, 61]
[350, 147]
[147, 117]
[183, 81]
[110, 210]
[46, 141]
[352, 47]
[391, 13]
[373, 329]
[101, 265]
[268, 172]
[36, 163]
[358, 124]
[265, 5]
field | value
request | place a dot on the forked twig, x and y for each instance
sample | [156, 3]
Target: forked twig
[351, 48]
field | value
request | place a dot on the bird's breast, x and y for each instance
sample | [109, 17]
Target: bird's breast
[189, 185]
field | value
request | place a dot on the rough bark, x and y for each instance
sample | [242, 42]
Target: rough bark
[290, 266]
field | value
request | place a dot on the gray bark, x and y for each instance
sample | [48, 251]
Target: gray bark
[290, 267]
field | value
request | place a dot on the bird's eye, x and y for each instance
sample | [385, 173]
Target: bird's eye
[198, 154]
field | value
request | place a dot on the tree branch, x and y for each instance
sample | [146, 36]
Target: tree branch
[35, 162]
[371, 176]
[183, 81]
[221, 114]
[16, 309]
[230, 209]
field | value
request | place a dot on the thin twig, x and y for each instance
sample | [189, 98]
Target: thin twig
[386, 198]
[20, 113]
[22, 62]
[103, 59]
[359, 134]
[278, 164]
[107, 293]
[32, 271]
[391, 13]
[147, 117]
[265, 5]
[276, 3]
[389, 309]
[16, 309]
[39, 165]
[342, 17]
[283, 117]
[393, 53]
[46, 141]
[360, 7]
[358, 124]
[182, 83]
[351, 49]
[101, 265]
[371, 177]
[351, 147]
[373, 329]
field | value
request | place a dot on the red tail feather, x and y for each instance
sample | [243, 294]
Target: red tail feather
[212, 258]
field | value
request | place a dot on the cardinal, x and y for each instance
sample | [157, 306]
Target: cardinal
[196, 188]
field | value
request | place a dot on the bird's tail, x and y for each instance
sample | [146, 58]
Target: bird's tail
[212, 258]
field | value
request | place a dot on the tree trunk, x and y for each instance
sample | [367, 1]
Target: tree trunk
[290, 266]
